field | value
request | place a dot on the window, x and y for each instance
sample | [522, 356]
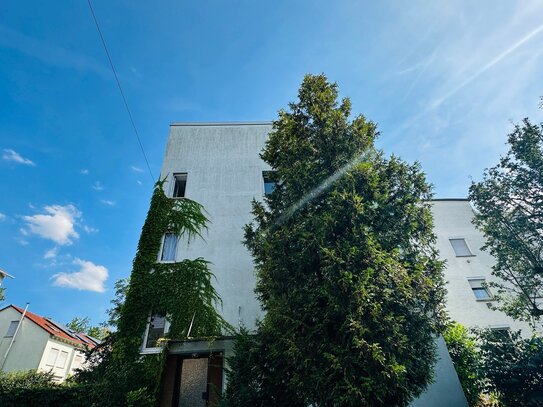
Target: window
[460, 247]
[76, 364]
[61, 361]
[500, 328]
[53, 353]
[12, 328]
[180, 184]
[155, 330]
[478, 286]
[169, 247]
[269, 181]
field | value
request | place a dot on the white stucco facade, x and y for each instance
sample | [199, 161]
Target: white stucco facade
[453, 220]
[224, 174]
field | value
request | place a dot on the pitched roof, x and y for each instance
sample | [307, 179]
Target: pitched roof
[58, 330]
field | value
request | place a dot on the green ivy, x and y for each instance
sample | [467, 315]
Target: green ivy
[182, 290]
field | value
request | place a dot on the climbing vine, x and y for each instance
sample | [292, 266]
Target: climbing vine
[183, 291]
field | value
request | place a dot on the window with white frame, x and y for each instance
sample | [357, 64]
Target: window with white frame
[61, 361]
[479, 288]
[76, 364]
[269, 178]
[156, 329]
[169, 247]
[460, 247]
[12, 328]
[179, 184]
[52, 357]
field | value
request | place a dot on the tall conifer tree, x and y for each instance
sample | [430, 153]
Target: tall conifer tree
[346, 270]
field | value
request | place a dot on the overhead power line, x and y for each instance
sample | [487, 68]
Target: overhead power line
[121, 90]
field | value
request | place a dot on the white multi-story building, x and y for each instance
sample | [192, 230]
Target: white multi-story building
[218, 165]
[468, 268]
[32, 342]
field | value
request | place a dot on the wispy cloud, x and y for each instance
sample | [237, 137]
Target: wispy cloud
[56, 224]
[97, 186]
[89, 277]
[84, 171]
[51, 253]
[13, 156]
[108, 202]
[3, 217]
[89, 230]
[136, 169]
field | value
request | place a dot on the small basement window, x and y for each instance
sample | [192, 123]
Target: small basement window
[269, 181]
[460, 247]
[12, 328]
[156, 329]
[169, 247]
[481, 292]
[180, 185]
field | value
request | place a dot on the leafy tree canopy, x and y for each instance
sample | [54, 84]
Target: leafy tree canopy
[345, 264]
[509, 203]
[512, 366]
[83, 325]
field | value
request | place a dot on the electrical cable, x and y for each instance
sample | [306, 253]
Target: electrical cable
[121, 90]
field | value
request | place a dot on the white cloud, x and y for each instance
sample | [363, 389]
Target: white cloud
[89, 229]
[51, 253]
[139, 182]
[97, 186]
[2, 217]
[13, 156]
[57, 224]
[136, 169]
[84, 171]
[90, 277]
[108, 202]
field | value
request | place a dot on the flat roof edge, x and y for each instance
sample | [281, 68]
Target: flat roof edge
[209, 124]
[449, 199]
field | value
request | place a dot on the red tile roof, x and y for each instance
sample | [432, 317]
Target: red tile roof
[57, 330]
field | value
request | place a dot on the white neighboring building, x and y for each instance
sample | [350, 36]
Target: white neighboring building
[40, 344]
[459, 243]
[218, 165]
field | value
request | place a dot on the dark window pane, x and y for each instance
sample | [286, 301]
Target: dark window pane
[180, 185]
[156, 330]
[269, 181]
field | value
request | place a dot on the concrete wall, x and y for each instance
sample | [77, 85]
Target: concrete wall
[452, 219]
[29, 344]
[224, 175]
[446, 390]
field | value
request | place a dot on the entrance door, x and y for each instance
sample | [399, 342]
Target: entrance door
[193, 390]
[192, 381]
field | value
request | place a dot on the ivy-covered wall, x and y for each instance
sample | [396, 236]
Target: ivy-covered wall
[181, 290]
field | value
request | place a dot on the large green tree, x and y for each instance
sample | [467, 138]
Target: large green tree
[509, 203]
[346, 270]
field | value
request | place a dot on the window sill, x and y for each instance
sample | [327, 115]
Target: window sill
[150, 351]
[484, 299]
[469, 255]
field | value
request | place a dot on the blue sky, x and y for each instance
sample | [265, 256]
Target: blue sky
[444, 80]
